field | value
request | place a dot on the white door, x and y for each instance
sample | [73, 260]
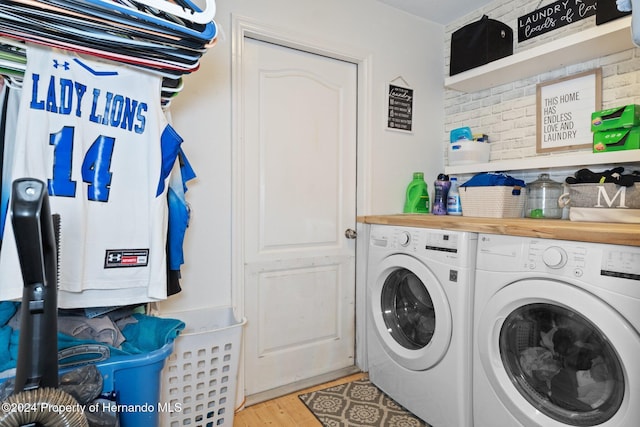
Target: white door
[299, 198]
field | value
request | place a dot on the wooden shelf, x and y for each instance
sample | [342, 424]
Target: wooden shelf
[595, 42]
[549, 161]
[598, 232]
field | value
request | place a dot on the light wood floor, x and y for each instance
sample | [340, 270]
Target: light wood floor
[286, 410]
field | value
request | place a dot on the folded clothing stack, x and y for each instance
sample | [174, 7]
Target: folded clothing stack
[615, 176]
[130, 33]
[120, 333]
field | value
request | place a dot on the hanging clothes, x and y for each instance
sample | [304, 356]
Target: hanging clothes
[179, 217]
[167, 38]
[9, 106]
[95, 132]
[80, 135]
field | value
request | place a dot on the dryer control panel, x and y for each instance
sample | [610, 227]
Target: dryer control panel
[558, 257]
[415, 240]
[452, 247]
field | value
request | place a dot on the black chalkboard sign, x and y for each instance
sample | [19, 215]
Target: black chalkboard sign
[554, 16]
[400, 111]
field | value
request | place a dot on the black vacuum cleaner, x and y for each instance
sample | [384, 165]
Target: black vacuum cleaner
[37, 400]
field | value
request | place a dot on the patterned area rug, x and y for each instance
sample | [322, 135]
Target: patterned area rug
[358, 403]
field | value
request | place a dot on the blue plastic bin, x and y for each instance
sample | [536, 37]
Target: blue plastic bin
[135, 380]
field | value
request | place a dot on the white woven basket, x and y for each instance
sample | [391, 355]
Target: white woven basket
[492, 201]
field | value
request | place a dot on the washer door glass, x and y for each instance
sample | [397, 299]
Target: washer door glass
[407, 309]
[562, 364]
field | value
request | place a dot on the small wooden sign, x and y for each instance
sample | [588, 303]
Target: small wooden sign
[564, 108]
[554, 16]
[400, 108]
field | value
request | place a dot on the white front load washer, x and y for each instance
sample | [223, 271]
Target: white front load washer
[556, 333]
[419, 290]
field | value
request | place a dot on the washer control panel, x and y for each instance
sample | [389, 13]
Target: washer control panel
[453, 247]
[421, 240]
[621, 263]
[561, 258]
[414, 240]
[543, 256]
[568, 258]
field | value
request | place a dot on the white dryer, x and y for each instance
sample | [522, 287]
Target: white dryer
[556, 333]
[419, 290]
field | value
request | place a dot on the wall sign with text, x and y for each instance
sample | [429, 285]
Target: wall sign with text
[564, 109]
[554, 16]
[400, 108]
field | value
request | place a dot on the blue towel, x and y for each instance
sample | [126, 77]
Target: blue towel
[150, 333]
[491, 179]
[6, 360]
[7, 356]
[7, 311]
[146, 334]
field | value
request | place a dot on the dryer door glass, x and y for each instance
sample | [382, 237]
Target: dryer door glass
[407, 309]
[562, 364]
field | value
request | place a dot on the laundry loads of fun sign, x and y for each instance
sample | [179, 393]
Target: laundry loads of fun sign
[564, 108]
[554, 16]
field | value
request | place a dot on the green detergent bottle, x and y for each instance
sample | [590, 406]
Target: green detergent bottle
[417, 199]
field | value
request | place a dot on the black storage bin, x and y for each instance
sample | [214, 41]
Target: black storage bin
[607, 10]
[478, 43]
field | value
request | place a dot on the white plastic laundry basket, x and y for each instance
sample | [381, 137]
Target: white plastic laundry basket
[199, 379]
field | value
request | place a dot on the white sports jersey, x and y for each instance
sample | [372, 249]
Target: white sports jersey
[95, 133]
[10, 101]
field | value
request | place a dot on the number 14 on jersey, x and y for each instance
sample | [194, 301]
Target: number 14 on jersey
[94, 169]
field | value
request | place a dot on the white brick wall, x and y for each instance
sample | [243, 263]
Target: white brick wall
[507, 113]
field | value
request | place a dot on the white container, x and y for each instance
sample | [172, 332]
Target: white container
[466, 151]
[199, 379]
[454, 206]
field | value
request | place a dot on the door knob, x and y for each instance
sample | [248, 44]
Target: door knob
[350, 233]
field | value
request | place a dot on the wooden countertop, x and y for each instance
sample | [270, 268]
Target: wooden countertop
[598, 232]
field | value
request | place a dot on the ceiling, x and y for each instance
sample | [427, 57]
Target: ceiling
[440, 11]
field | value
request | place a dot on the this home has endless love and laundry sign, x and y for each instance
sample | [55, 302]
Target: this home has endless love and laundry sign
[564, 108]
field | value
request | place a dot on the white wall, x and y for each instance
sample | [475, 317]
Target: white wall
[398, 45]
